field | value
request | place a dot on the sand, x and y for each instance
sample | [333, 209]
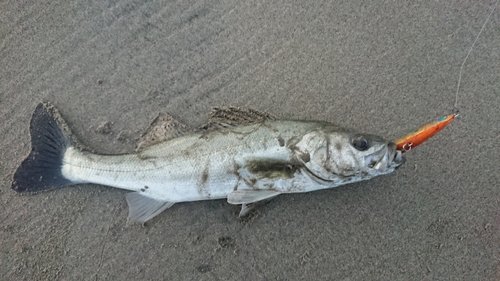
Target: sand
[381, 67]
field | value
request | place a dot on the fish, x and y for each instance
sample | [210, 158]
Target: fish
[242, 155]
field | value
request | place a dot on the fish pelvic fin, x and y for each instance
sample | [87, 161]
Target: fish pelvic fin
[250, 196]
[50, 137]
[143, 208]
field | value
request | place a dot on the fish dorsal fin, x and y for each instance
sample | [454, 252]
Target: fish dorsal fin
[225, 117]
[142, 208]
[164, 127]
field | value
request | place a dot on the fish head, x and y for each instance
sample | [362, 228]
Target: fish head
[335, 156]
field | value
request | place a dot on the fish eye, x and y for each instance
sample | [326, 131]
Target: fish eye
[360, 143]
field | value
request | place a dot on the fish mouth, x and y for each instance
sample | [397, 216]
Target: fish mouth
[386, 159]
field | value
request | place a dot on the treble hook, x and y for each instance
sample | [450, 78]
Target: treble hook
[407, 147]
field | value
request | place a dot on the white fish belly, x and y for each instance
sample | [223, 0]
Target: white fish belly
[190, 168]
[164, 180]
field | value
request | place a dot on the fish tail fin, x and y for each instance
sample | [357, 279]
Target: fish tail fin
[50, 137]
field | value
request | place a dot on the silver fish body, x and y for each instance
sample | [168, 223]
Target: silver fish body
[243, 163]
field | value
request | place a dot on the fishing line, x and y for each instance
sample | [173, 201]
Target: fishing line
[416, 138]
[468, 53]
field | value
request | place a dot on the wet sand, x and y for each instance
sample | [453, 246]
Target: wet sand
[384, 68]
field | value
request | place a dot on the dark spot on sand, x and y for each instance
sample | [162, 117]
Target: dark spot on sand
[204, 268]
[123, 136]
[226, 242]
[104, 128]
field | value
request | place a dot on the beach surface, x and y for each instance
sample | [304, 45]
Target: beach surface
[384, 68]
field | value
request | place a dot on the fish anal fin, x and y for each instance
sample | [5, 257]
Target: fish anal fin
[164, 127]
[226, 117]
[143, 208]
[248, 196]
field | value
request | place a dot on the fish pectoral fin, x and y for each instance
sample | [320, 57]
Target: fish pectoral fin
[250, 196]
[163, 128]
[225, 117]
[246, 208]
[142, 208]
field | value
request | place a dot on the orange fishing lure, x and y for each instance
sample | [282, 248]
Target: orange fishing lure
[416, 138]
